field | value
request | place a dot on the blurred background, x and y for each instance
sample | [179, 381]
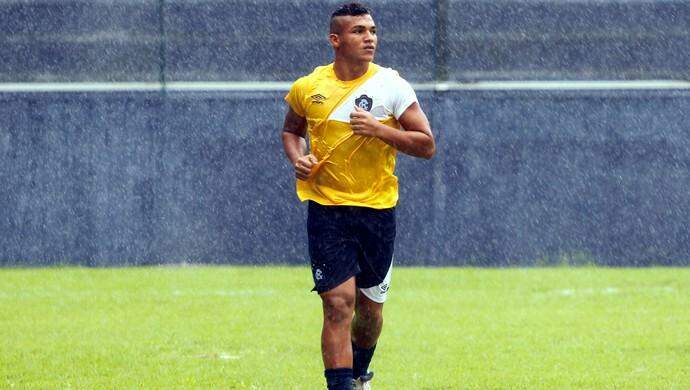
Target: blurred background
[148, 132]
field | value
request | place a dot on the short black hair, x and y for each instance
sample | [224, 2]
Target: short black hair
[348, 9]
[351, 9]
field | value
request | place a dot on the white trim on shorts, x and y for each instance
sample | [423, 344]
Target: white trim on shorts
[379, 293]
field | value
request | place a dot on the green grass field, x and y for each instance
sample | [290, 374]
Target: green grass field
[258, 328]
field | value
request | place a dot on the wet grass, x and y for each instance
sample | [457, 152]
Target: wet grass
[258, 328]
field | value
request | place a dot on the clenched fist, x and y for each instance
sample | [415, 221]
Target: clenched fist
[364, 123]
[304, 165]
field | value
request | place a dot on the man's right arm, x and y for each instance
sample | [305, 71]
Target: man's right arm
[295, 144]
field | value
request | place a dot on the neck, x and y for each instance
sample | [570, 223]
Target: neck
[347, 71]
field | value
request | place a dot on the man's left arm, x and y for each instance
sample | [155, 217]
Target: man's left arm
[417, 139]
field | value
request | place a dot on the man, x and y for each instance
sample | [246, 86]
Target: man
[352, 111]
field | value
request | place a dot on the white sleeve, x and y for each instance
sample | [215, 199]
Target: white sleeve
[404, 96]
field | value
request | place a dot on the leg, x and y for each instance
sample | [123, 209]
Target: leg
[338, 306]
[368, 322]
[366, 328]
[377, 238]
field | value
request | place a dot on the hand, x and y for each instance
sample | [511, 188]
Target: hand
[304, 165]
[363, 123]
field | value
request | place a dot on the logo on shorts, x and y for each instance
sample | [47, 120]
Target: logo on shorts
[364, 102]
[318, 275]
[384, 287]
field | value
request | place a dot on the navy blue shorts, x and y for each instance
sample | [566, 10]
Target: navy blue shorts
[346, 241]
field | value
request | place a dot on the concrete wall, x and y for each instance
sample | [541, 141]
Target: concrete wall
[77, 40]
[520, 178]
[175, 40]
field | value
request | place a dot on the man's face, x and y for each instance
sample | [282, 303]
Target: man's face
[355, 37]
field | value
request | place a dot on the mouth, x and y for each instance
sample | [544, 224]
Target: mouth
[369, 48]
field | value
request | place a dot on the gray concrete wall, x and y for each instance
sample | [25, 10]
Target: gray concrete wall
[176, 40]
[519, 178]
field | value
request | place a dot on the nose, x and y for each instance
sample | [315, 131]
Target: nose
[369, 36]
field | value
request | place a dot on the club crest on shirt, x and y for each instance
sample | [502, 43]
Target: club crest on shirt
[364, 102]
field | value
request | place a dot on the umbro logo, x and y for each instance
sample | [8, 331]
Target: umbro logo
[318, 98]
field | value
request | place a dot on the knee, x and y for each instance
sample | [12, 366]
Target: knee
[371, 318]
[338, 308]
[369, 312]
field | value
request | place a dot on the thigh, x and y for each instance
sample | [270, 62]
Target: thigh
[332, 249]
[376, 236]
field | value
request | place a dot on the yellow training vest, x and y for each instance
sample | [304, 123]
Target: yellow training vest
[353, 170]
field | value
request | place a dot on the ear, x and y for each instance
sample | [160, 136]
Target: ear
[334, 39]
